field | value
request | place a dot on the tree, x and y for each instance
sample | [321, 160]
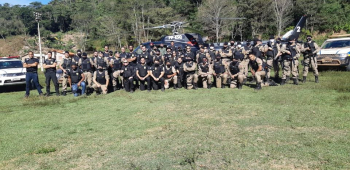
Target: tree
[211, 12]
[283, 11]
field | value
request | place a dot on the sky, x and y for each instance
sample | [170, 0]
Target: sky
[23, 2]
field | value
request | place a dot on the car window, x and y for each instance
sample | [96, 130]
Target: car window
[10, 64]
[336, 44]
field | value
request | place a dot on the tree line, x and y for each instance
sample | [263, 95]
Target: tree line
[121, 22]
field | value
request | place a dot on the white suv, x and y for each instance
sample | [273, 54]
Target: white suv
[335, 53]
[12, 72]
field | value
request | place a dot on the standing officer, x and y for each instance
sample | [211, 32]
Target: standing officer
[189, 53]
[101, 61]
[212, 52]
[201, 54]
[124, 54]
[277, 61]
[147, 56]
[191, 76]
[235, 71]
[77, 57]
[310, 49]
[168, 54]
[101, 80]
[179, 66]
[205, 73]
[239, 52]
[272, 51]
[76, 80]
[93, 59]
[143, 75]
[106, 53]
[128, 76]
[290, 54]
[219, 74]
[85, 64]
[258, 49]
[116, 65]
[257, 69]
[158, 57]
[162, 49]
[172, 46]
[66, 66]
[31, 65]
[170, 75]
[157, 72]
[50, 73]
[226, 54]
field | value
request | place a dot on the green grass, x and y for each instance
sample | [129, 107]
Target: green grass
[284, 127]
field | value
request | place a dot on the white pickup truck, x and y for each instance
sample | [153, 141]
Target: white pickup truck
[12, 72]
[335, 52]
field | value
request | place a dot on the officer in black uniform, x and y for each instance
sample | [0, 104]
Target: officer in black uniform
[143, 75]
[101, 61]
[116, 65]
[123, 54]
[212, 52]
[147, 56]
[77, 57]
[76, 79]
[158, 57]
[219, 74]
[132, 56]
[172, 46]
[168, 54]
[156, 72]
[50, 73]
[189, 53]
[128, 76]
[179, 66]
[93, 59]
[66, 66]
[106, 53]
[31, 65]
[85, 65]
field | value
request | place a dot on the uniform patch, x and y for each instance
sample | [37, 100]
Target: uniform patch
[126, 69]
[144, 67]
[155, 68]
[77, 74]
[51, 62]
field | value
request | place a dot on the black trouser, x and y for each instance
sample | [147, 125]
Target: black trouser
[128, 84]
[155, 84]
[142, 84]
[180, 80]
[51, 76]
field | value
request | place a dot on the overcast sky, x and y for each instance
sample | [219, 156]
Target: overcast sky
[23, 2]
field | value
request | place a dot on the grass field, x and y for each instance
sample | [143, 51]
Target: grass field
[284, 127]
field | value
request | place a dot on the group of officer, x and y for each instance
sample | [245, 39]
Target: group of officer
[161, 67]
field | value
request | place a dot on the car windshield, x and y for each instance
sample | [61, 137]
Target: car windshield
[336, 44]
[10, 64]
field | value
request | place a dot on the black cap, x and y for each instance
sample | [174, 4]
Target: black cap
[225, 43]
[272, 37]
[239, 43]
[291, 38]
[110, 52]
[73, 63]
[66, 52]
[309, 36]
[84, 54]
[212, 44]
[168, 48]
[78, 51]
[115, 52]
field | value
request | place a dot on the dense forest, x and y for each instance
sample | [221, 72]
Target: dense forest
[121, 22]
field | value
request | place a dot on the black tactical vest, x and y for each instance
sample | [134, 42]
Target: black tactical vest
[200, 57]
[142, 70]
[117, 64]
[67, 63]
[238, 55]
[50, 62]
[168, 71]
[75, 75]
[219, 68]
[101, 62]
[234, 69]
[128, 71]
[204, 68]
[101, 77]
[85, 64]
[156, 71]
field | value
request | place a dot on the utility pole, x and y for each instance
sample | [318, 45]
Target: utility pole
[38, 19]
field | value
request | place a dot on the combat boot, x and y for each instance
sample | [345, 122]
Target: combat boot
[316, 79]
[287, 79]
[195, 87]
[296, 81]
[304, 79]
[239, 86]
[175, 86]
[209, 86]
[283, 82]
[222, 86]
[115, 88]
[258, 86]
[64, 93]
